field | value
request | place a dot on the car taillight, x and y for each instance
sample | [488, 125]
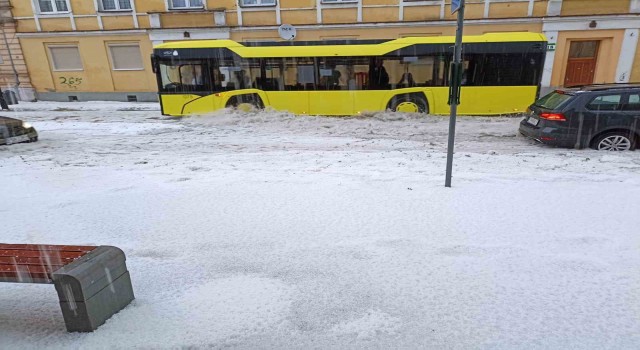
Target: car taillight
[553, 116]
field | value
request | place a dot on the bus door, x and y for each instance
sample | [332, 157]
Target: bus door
[286, 82]
[341, 83]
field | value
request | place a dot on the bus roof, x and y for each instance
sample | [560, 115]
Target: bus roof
[347, 49]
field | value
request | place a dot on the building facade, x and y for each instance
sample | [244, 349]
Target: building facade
[99, 49]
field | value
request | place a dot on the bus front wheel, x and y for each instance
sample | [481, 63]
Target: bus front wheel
[246, 102]
[409, 104]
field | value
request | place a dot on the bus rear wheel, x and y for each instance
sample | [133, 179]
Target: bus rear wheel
[409, 104]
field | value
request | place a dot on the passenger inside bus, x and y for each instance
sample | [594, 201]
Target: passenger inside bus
[330, 77]
[378, 76]
[243, 79]
[406, 81]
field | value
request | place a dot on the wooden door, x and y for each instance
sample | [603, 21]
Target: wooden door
[581, 65]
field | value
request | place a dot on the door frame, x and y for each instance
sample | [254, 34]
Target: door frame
[568, 58]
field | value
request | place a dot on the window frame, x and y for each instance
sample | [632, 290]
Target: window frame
[124, 44]
[53, 62]
[53, 6]
[189, 7]
[117, 9]
[259, 4]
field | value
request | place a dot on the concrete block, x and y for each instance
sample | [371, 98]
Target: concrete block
[93, 288]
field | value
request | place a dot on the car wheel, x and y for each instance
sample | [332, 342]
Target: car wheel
[409, 104]
[615, 141]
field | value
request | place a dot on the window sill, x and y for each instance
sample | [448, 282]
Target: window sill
[54, 14]
[115, 11]
[339, 2]
[187, 9]
[128, 70]
[258, 6]
[68, 70]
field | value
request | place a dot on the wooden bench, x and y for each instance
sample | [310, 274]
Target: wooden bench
[92, 282]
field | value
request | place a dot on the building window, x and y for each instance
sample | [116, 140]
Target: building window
[338, 1]
[53, 6]
[116, 5]
[186, 4]
[126, 57]
[249, 3]
[65, 58]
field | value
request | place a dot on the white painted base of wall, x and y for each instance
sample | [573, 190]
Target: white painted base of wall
[97, 96]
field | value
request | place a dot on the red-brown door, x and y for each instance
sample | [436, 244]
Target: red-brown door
[581, 65]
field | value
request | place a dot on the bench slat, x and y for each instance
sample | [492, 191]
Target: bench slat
[37, 254]
[26, 272]
[67, 248]
[11, 260]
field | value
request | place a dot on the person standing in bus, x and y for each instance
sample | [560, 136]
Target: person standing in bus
[244, 80]
[378, 77]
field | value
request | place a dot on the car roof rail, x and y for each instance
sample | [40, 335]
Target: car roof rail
[604, 86]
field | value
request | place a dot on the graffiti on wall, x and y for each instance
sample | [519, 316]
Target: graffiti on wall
[71, 82]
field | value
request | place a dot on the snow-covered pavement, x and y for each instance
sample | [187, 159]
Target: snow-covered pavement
[265, 230]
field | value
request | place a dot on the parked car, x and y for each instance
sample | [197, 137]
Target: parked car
[16, 131]
[603, 117]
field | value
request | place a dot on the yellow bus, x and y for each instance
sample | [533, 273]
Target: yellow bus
[502, 73]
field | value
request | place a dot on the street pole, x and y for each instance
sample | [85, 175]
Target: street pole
[454, 86]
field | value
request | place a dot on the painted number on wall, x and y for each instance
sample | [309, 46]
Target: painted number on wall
[71, 82]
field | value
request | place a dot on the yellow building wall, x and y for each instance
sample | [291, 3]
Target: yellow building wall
[218, 4]
[87, 23]
[21, 8]
[55, 24]
[259, 18]
[143, 21]
[297, 4]
[117, 22]
[97, 74]
[83, 7]
[421, 13]
[26, 25]
[610, 46]
[508, 9]
[473, 11]
[378, 2]
[150, 6]
[540, 8]
[298, 16]
[339, 15]
[380, 14]
[594, 7]
[231, 18]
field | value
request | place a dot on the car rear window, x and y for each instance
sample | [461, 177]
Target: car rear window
[553, 100]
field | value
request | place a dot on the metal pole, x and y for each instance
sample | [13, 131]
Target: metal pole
[454, 96]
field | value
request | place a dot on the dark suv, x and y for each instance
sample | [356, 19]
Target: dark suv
[603, 117]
